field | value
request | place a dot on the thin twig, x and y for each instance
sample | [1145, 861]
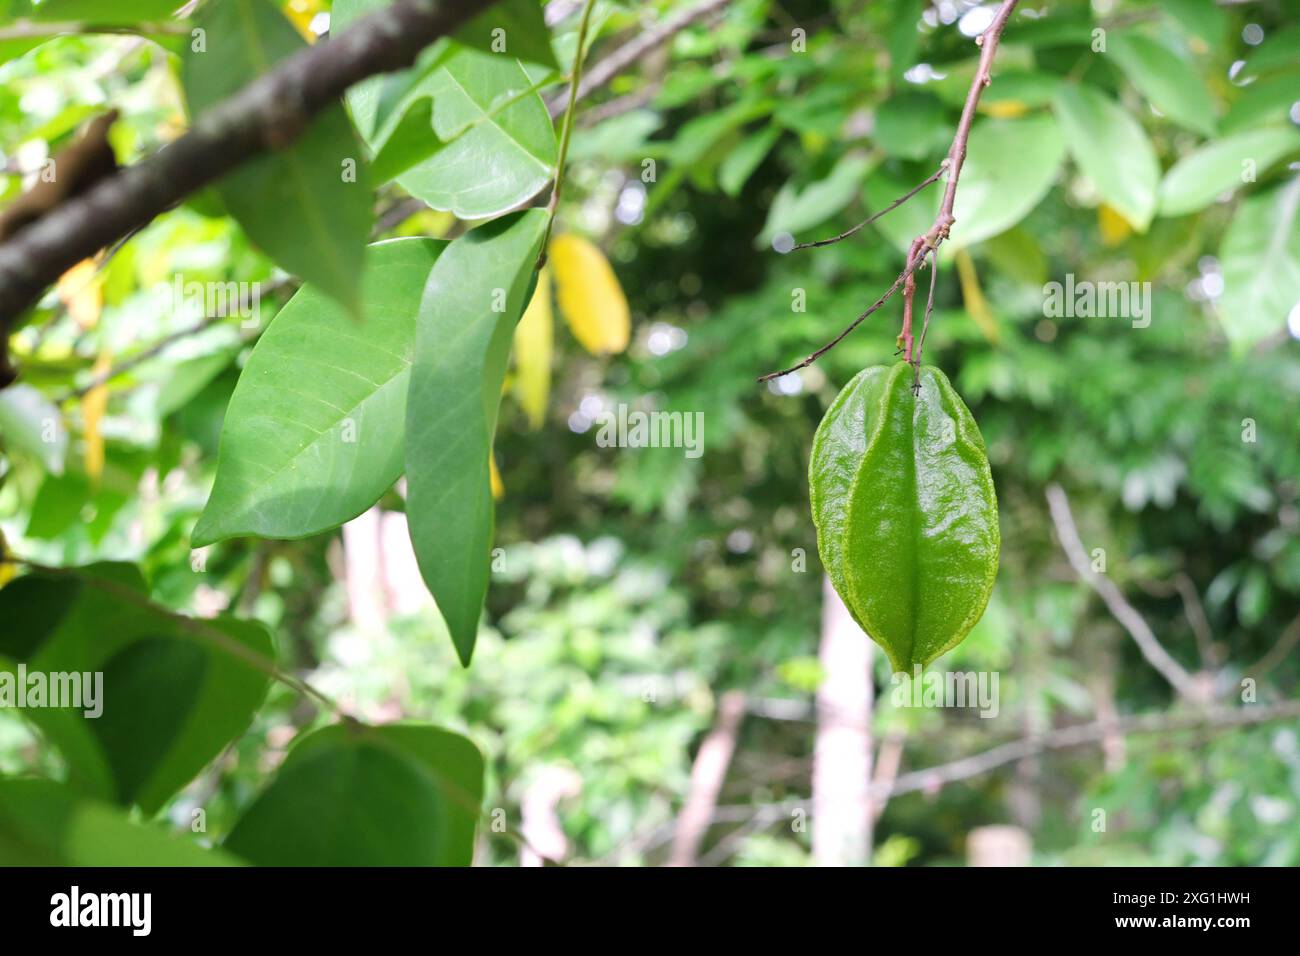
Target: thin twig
[933, 177]
[933, 778]
[1124, 612]
[902, 277]
[925, 325]
[166, 342]
[632, 51]
[566, 130]
[196, 627]
[931, 239]
[30, 30]
[1278, 653]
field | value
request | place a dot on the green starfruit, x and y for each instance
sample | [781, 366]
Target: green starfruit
[906, 515]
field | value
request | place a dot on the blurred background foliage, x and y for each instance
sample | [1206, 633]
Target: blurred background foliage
[633, 587]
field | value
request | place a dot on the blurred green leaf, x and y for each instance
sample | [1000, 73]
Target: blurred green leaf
[1260, 258]
[1112, 151]
[1169, 82]
[1010, 165]
[31, 423]
[1219, 167]
[796, 209]
[43, 823]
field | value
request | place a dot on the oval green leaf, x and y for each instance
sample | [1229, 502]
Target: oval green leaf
[476, 293]
[1201, 177]
[906, 515]
[1260, 257]
[1112, 150]
[313, 434]
[1010, 165]
[1168, 82]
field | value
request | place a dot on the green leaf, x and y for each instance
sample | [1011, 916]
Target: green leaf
[313, 434]
[32, 423]
[497, 144]
[741, 162]
[1010, 165]
[476, 293]
[1260, 258]
[525, 34]
[352, 795]
[797, 209]
[1220, 167]
[307, 205]
[1267, 101]
[1112, 151]
[913, 125]
[1202, 20]
[486, 144]
[43, 823]
[170, 699]
[99, 13]
[902, 225]
[906, 515]
[1168, 81]
[1280, 50]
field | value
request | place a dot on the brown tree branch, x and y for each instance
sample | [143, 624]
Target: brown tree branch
[930, 240]
[267, 114]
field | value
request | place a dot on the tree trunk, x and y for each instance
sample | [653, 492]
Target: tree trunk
[841, 820]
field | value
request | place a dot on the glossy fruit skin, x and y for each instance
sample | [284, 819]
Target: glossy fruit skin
[906, 514]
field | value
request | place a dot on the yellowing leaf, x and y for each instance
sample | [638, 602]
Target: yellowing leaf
[92, 414]
[300, 14]
[589, 295]
[494, 479]
[1004, 109]
[1114, 228]
[977, 307]
[534, 338]
[81, 290]
[7, 568]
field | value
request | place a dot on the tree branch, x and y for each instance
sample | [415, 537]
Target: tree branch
[618, 61]
[267, 114]
[707, 776]
[1116, 603]
[930, 240]
[975, 765]
[1091, 733]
